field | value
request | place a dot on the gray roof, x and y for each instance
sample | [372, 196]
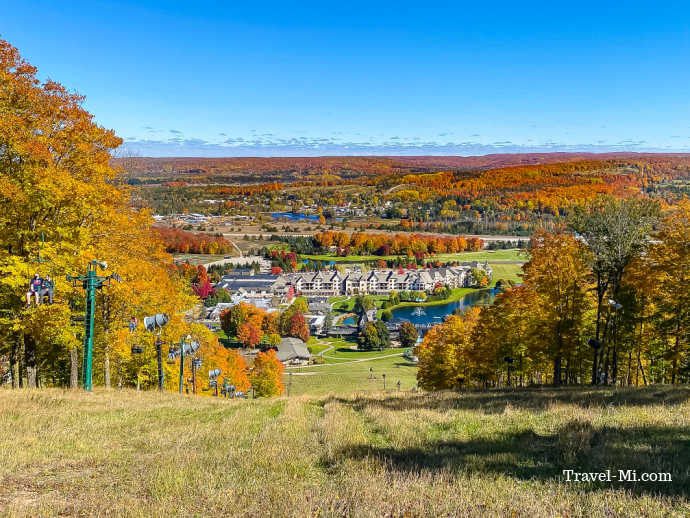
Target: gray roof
[292, 349]
[319, 307]
[368, 316]
[235, 282]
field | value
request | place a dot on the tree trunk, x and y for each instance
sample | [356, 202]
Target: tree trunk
[557, 371]
[614, 359]
[639, 354]
[74, 369]
[30, 359]
[674, 369]
[676, 350]
[639, 364]
[14, 361]
[601, 290]
[14, 366]
[106, 369]
[606, 366]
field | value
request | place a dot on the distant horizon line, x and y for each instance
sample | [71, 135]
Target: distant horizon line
[399, 156]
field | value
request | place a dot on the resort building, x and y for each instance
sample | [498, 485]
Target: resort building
[331, 283]
[380, 282]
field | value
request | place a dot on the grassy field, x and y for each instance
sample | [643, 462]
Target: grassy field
[483, 255]
[342, 375]
[509, 272]
[123, 453]
[346, 304]
[196, 259]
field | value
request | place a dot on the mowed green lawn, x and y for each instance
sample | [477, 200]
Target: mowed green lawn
[492, 256]
[512, 255]
[509, 272]
[367, 454]
[340, 374]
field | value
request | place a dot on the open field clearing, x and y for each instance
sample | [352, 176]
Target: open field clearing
[350, 373]
[196, 259]
[369, 454]
[509, 272]
[493, 256]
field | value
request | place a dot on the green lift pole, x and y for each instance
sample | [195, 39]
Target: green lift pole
[90, 282]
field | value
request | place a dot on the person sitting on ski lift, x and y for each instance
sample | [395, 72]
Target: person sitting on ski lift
[133, 324]
[34, 289]
[47, 288]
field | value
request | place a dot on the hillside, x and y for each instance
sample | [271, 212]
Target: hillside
[379, 454]
[358, 165]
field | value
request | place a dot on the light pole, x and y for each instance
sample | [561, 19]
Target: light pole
[154, 324]
[183, 343]
[213, 380]
[196, 364]
[90, 282]
[187, 346]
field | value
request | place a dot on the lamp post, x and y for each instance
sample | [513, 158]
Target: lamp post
[384, 381]
[213, 380]
[154, 324]
[228, 389]
[182, 348]
[196, 364]
[187, 346]
[90, 282]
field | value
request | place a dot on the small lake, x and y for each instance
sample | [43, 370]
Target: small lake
[437, 314]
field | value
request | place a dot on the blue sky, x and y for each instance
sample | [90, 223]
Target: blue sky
[332, 78]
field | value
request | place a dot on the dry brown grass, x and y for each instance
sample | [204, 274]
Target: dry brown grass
[401, 454]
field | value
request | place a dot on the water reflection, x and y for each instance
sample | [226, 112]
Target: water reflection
[437, 314]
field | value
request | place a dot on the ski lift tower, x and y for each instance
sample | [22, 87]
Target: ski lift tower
[91, 282]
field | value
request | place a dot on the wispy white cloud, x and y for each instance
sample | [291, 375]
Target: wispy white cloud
[266, 144]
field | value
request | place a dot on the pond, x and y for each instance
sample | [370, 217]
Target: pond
[437, 314]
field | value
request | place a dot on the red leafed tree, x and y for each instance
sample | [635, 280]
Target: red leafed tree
[204, 290]
[297, 327]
